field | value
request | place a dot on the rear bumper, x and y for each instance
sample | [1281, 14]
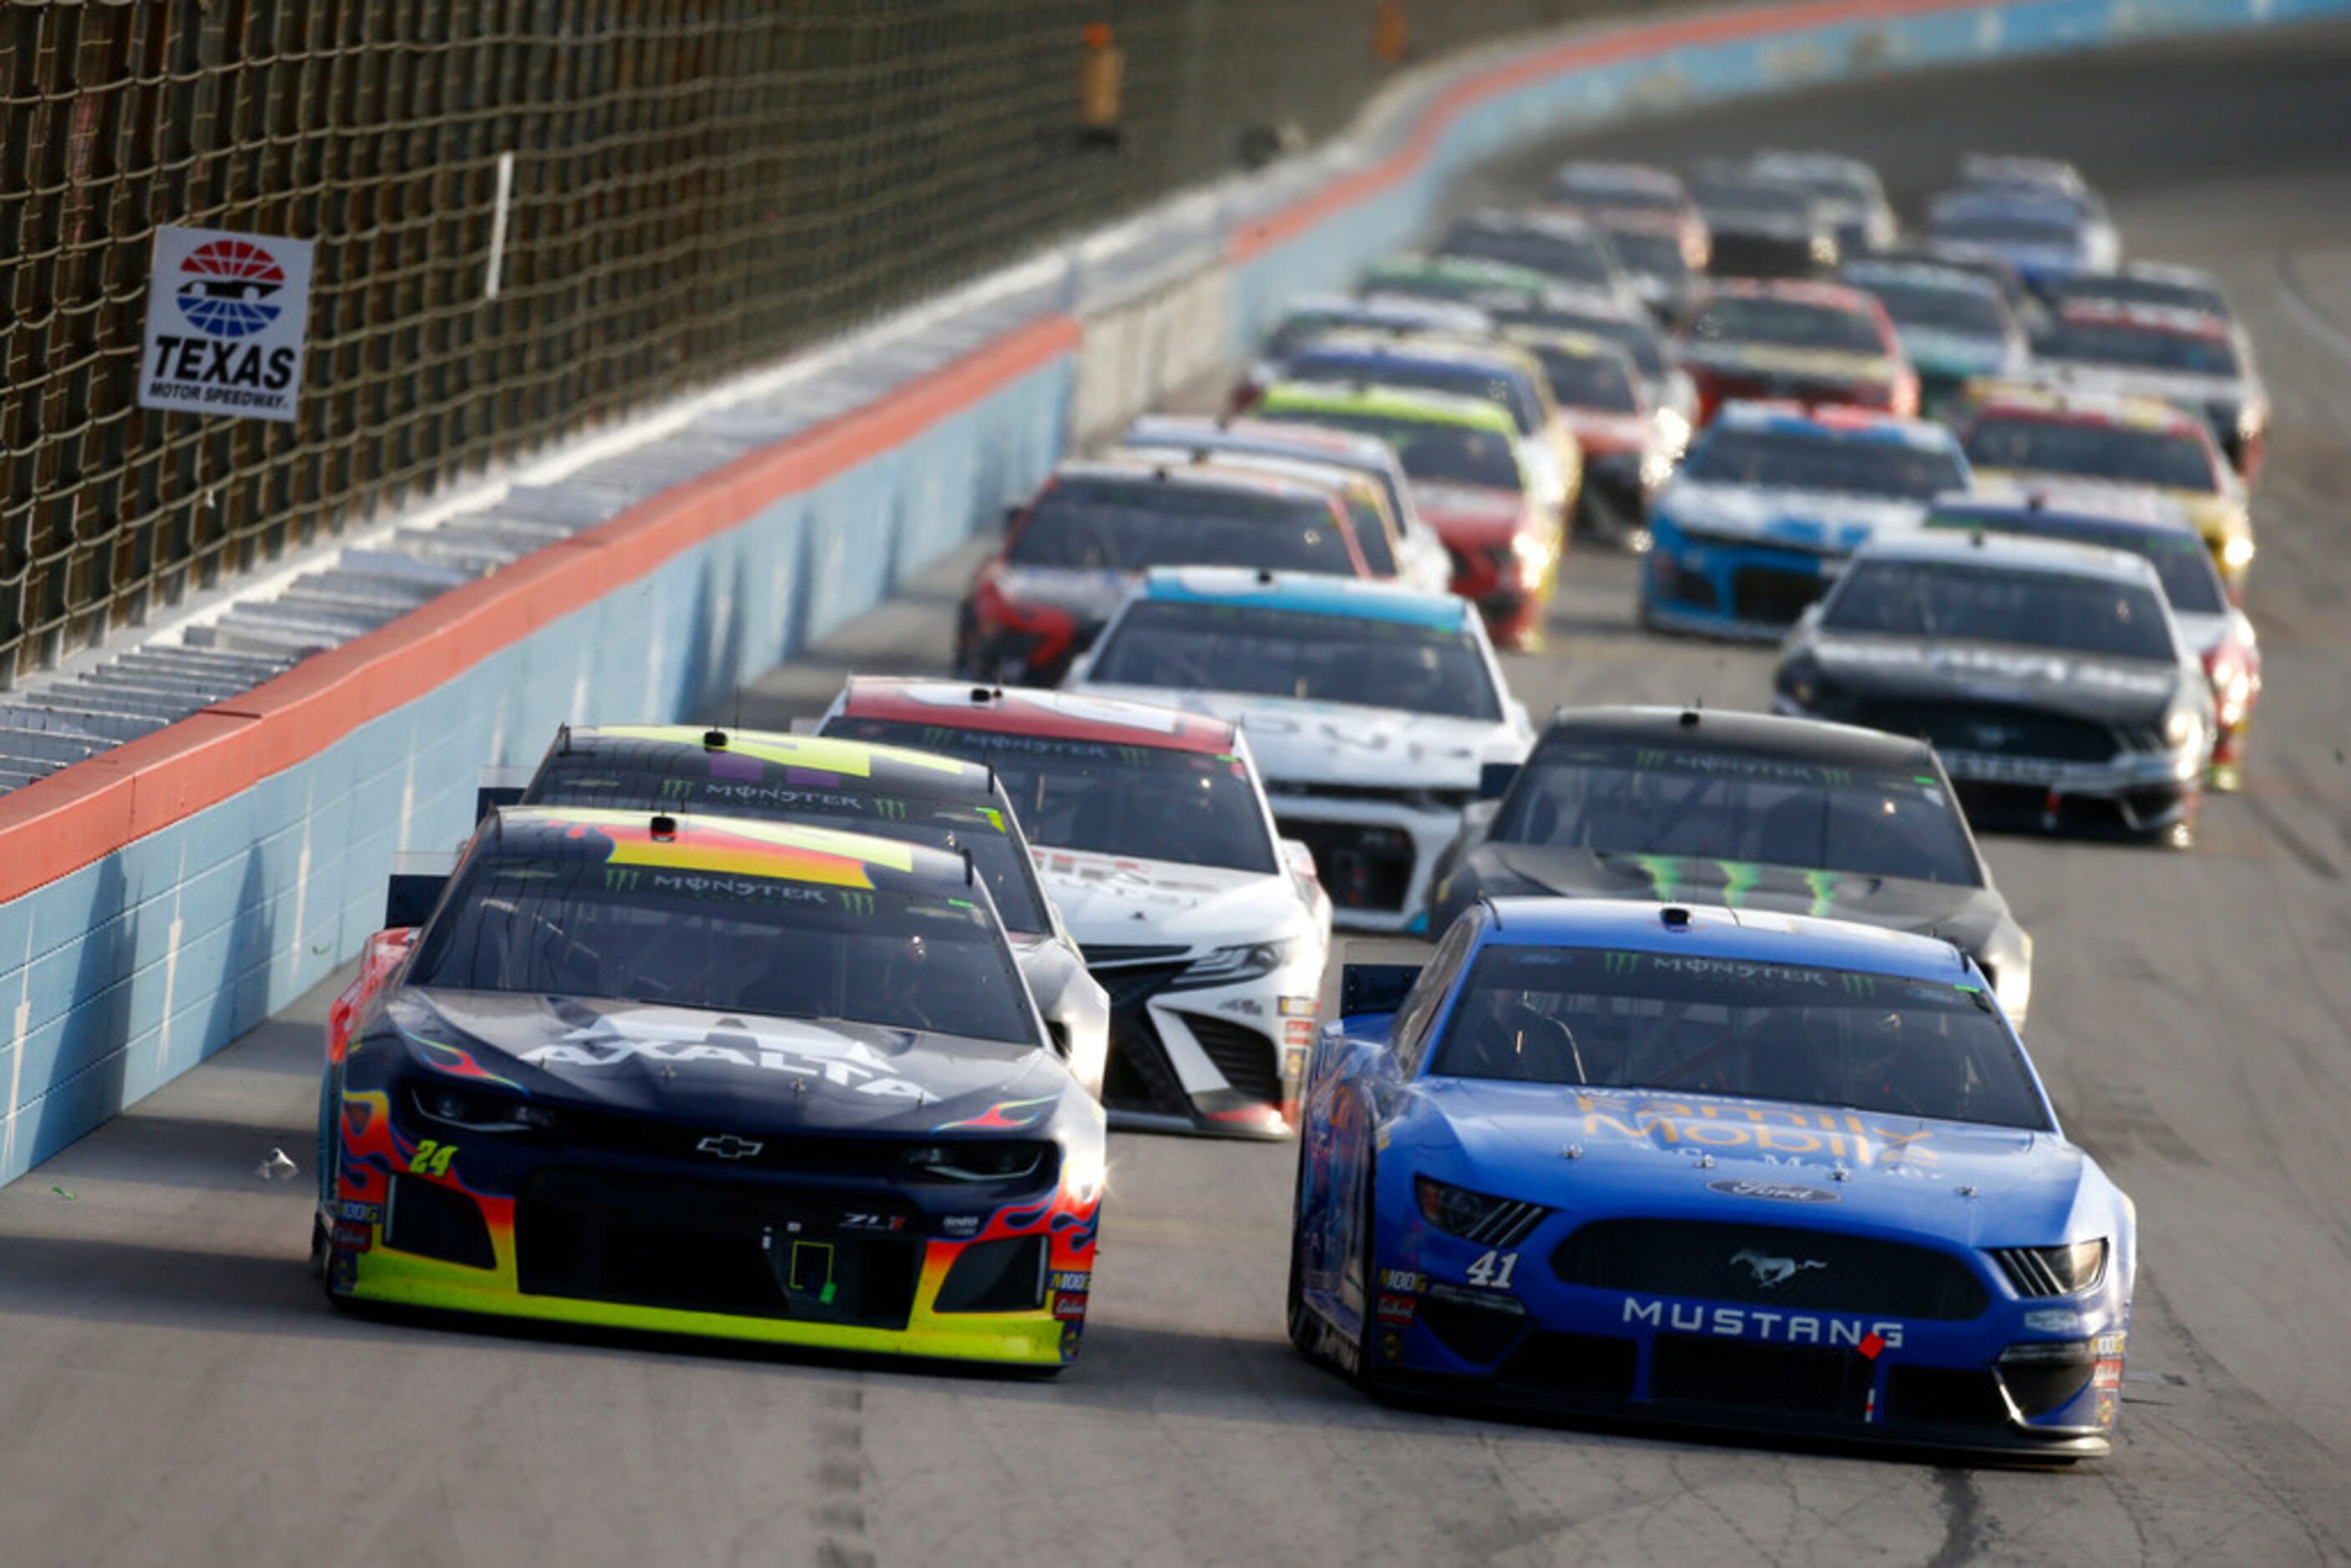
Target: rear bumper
[1375, 855]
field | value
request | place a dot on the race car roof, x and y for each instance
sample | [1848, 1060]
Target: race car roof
[2174, 318]
[1574, 344]
[1705, 931]
[1020, 710]
[1401, 308]
[1387, 402]
[1838, 421]
[1667, 730]
[1308, 594]
[1348, 449]
[1197, 476]
[1865, 274]
[2119, 505]
[1373, 348]
[756, 756]
[1827, 296]
[2015, 552]
[2064, 405]
[1605, 176]
[726, 846]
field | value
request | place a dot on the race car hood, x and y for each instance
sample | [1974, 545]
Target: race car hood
[1767, 359]
[1966, 916]
[1458, 511]
[747, 1073]
[2216, 514]
[2046, 679]
[1118, 901]
[1338, 743]
[1810, 519]
[1763, 1162]
[1607, 434]
[1949, 354]
[1089, 597]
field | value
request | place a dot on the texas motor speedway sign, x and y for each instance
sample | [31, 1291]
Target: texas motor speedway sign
[227, 314]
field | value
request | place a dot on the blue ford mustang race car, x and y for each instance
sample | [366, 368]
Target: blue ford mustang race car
[1715, 1168]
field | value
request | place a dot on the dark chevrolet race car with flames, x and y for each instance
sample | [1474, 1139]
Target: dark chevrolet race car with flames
[710, 1077]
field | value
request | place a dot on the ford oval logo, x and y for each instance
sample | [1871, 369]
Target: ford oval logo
[1777, 1191]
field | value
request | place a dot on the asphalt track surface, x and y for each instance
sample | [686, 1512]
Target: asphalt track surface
[172, 1389]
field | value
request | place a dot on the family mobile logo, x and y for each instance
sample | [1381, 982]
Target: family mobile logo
[227, 319]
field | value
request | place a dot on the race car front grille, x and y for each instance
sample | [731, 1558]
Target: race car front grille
[1737, 1374]
[1576, 1365]
[1943, 1396]
[745, 1251]
[1992, 730]
[1800, 1270]
[1139, 1077]
[1108, 953]
[1417, 800]
[1362, 866]
[1243, 1055]
[434, 1221]
[1768, 594]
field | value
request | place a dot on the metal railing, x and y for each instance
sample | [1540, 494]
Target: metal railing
[692, 185]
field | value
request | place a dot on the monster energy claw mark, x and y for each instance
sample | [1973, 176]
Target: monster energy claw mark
[1623, 963]
[678, 789]
[620, 879]
[1132, 756]
[1648, 758]
[857, 902]
[1860, 984]
[888, 809]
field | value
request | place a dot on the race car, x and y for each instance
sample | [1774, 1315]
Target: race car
[1808, 343]
[1153, 834]
[1462, 456]
[1069, 554]
[1562, 246]
[1714, 1168]
[1672, 393]
[2146, 525]
[2045, 234]
[1604, 400]
[1744, 809]
[1769, 502]
[2032, 436]
[1460, 280]
[713, 1077]
[1419, 554]
[1763, 229]
[1847, 191]
[1608, 193]
[1317, 316]
[1654, 251]
[2051, 678]
[1498, 373]
[2188, 359]
[1954, 326]
[1372, 712]
[917, 796]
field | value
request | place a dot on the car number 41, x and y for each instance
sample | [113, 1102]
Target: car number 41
[1493, 1270]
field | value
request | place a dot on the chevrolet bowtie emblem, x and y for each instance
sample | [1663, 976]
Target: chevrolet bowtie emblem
[727, 1146]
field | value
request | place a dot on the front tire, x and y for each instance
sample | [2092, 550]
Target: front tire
[1303, 1334]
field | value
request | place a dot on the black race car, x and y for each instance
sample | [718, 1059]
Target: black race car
[2051, 678]
[1743, 809]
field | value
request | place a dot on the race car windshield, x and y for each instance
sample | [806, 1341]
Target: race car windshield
[2181, 560]
[1587, 381]
[2008, 228]
[1788, 461]
[1682, 1024]
[2137, 348]
[724, 943]
[1637, 338]
[1586, 261]
[1464, 287]
[1785, 324]
[2168, 459]
[1117, 524]
[1953, 601]
[1606, 190]
[1193, 808]
[948, 825]
[1734, 808]
[1431, 452]
[2121, 288]
[1743, 199]
[1935, 310]
[1658, 254]
[1509, 394]
[1300, 655]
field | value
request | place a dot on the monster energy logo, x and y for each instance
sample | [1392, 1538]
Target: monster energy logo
[1623, 963]
[1836, 775]
[1132, 756]
[889, 811]
[857, 902]
[1648, 759]
[620, 879]
[678, 789]
[937, 735]
[1860, 985]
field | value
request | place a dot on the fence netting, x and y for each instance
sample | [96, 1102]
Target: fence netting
[694, 185]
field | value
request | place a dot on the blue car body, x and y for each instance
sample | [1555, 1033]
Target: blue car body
[1742, 561]
[1758, 1227]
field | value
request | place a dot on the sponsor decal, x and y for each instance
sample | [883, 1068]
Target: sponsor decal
[1391, 1347]
[1775, 1191]
[354, 1237]
[1298, 1032]
[432, 1158]
[1758, 1323]
[1397, 1312]
[2106, 1373]
[1246, 1007]
[1410, 1281]
[854, 1220]
[227, 316]
[1070, 1332]
[1770, 1130]
[344, 1278]
[1070, 1306]
[727, 1146]
[1078, 1280]
[1771, 1272]
[1298, 1006]
[359, 1213]
[682, 1041]
[956, 1225]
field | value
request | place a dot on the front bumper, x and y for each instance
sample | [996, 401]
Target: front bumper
[2148, 791]
[1750, 589]
[1546, 1346]
[513, 1228]
[1375, 855]
[1225, 1060]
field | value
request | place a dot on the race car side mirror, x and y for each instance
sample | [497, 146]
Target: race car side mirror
[496, 787]
[1495, 778]
[418, 879]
